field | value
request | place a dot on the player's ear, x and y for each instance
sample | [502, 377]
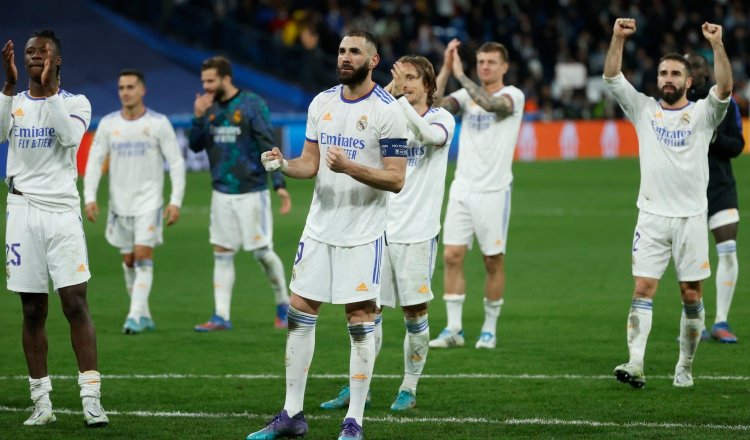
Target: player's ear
[374, 61]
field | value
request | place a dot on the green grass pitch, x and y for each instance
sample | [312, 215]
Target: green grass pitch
[561, 332]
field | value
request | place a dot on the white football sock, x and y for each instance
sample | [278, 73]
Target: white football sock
[692, 324]
[416, 345]
[378, 332]
[274, 270]
[40, 389]
[491, 313]
[144, 278]
[639, 326]
[223, 282]
[454, 304]
[129, 273]
[300, 346]
[90, 383]
[726, 278]
[361, 363]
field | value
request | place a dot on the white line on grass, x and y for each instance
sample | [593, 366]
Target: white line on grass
[375, 376]
[405, 420]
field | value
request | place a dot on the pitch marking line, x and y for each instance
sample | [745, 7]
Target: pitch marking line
[375, 376]
[405, 420]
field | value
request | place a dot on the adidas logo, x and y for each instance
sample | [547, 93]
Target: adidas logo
[81, 268]
[327, 117]
[362, 288]
[359, 376]
[706, 265]
[151, 228]
[423, 289]
[19, 112]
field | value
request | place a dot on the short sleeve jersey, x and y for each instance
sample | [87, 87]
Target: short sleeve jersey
[673, 148]
[137, 150]
[487, 142]
[344, 211]
[38, 164]
[414, 213]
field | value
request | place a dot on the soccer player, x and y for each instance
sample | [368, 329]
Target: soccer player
[44, 236]
[479, 197]
[232, 126]
[723, 213]
[355, 147]
[413, 221]
[137, 141]
[673, 142]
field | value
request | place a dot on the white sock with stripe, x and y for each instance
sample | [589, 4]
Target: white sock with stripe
[129, 273]
[491, 313]
[300, 346]
[639, 326]
[416, 346]
[692, 324]
[726, 278]
[361, 364]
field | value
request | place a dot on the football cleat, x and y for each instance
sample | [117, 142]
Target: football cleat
[722, 333]
[342, 400]
[404, 401]
[282, 310]
[448, 338]
[215, 323]
[147, 323]
[486, 340]
[131, 327]
[93, 413]
[683, 377]
[282, 426]
[631, 374]
[350, 430]
[42, 415]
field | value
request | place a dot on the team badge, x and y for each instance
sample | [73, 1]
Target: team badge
[362, 123]
[211, 117]
[237, 116]
[685, 119]
[146, 132]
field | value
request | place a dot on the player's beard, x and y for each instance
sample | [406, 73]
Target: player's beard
[670, 97]
[219, 94]
[358, 75]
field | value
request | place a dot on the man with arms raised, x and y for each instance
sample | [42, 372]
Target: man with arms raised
[44, 236]
[479, 198]
[355, 148]
[137, 141]
[673, 139]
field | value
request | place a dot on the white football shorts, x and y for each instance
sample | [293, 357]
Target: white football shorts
[656, 238]
[142, 230]
[723, 218]
[407, 273]
[241, 220]
[335, 274]
[484, 214]
[42, 245]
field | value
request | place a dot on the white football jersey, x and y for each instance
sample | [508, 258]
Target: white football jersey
[673, 148]
[414, 213]
[43, 137]
[345, 212]
[137, 150]
[487, 143]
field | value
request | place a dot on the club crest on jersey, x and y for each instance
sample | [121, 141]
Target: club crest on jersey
[237, 116]
[362, 123]
[146, 132]
[685, 118]
[211, 117]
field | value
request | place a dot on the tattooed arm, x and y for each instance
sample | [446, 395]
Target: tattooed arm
[502, 105]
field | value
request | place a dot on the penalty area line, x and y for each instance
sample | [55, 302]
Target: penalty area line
[408, 420]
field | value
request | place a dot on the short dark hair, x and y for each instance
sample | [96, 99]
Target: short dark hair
[493, 46]
[370, 38]
[134, 72]
[48, 33]
[220, 63]
[426, 72]
[674, 56]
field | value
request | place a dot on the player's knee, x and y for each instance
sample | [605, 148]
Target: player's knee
[34, 313]
[644, 288]
[415, 311]
[691, 292]
[493, 264]
[128, 259]
[142, 253]
[453, 257]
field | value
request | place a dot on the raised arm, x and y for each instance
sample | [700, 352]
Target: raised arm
[428, 134]
[722, 68]
[9, 87]
[199, 135]
[442, 78]
[623, 28]
[502, 104]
